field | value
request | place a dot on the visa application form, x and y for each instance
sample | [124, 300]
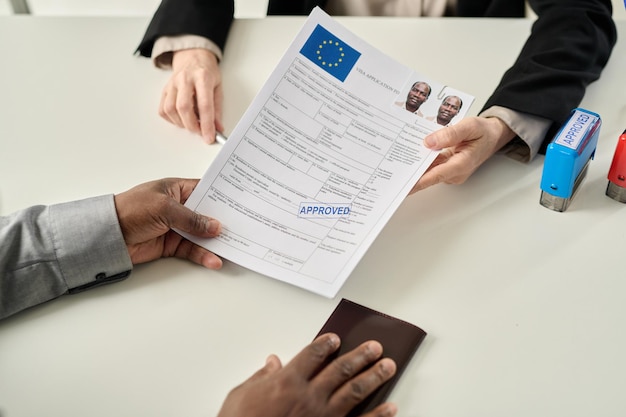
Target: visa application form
[319, 162]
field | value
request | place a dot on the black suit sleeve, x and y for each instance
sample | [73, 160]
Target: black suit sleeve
[569, 45]
[208, 18]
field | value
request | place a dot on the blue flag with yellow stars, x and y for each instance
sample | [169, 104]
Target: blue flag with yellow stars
[330, 53]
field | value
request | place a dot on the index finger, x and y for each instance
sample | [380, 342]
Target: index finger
[346, 366]
[467, 129]
[311, 358]
[205, 109]
[442, 138]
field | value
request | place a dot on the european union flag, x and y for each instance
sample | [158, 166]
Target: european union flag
[330, 53]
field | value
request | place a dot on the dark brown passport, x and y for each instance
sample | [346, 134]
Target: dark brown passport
[356, 324]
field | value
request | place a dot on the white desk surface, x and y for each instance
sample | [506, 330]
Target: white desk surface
[524, 306]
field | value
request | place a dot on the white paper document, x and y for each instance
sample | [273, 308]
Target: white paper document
[321, 159]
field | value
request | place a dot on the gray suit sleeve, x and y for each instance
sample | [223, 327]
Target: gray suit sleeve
[48, 251]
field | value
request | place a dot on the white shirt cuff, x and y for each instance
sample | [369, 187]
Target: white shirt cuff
[530, 130]
[165, 46]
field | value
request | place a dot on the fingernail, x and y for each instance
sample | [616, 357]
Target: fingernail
[374, 349]
[213, 227]
[430, 142]
[334, 340]
[387, 367]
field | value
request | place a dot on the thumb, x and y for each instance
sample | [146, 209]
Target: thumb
[272, 364]
[187, 220]
[441, 138]
[470, 128]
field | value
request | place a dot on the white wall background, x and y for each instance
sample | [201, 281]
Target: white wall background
[243, 8]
